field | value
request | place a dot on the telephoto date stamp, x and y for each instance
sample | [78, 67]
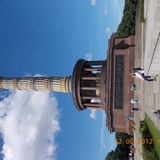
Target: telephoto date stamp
[146, 141]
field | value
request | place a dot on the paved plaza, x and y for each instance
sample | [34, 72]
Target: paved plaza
[152, 37]
[147, 56]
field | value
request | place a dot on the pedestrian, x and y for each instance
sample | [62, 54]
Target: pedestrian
[133, 70]
[132, 146]
[157, 113]
[139, 73]
[141, 76]
[134, 109]
[135, 101]
[133, 87]
[130, 118]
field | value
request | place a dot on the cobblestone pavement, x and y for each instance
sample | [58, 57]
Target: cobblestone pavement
[147, 56]
[149, 35]
[152, 37]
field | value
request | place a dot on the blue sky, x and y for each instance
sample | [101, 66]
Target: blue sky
[48, 37]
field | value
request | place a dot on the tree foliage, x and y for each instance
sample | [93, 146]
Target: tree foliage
[127, 25]
[122, 149]
[148, 149]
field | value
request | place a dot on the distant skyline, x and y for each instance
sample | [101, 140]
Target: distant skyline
[47, 38]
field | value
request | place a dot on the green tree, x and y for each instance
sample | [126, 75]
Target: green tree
[122, 149]
[127, 25]
[110, 156]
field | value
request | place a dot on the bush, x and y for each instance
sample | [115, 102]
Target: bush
[149, 154]
[127, 25]
[148, 150]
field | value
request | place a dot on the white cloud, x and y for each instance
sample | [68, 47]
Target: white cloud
[29, 123]
[93, 114]
[88, 56]
[108, 30]
[93, 2]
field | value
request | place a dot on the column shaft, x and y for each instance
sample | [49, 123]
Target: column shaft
[55, 84]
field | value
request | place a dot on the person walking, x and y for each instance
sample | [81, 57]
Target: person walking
[139, 73]
[157, 113]
[134, 109]
[133, 70]
[133, 88]
[135, 101]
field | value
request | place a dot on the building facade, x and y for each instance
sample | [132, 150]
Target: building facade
[101, 84]
[120, 59]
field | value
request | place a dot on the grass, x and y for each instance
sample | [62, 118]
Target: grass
[155, 132]
[143, 20]
[151, 132]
